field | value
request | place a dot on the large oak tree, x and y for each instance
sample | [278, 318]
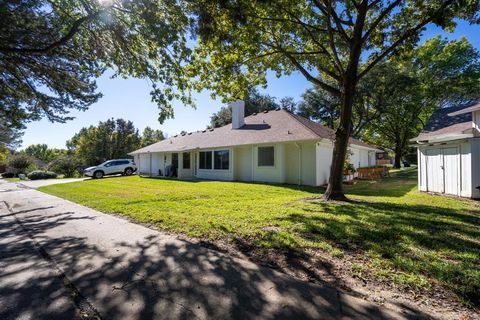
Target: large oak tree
[327, 41]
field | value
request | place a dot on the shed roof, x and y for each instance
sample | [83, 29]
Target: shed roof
[266, 127]
[452, 121]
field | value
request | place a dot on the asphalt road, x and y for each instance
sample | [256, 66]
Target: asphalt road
[60, 260]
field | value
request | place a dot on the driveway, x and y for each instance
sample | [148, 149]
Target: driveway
[40, 183]
[63, 260]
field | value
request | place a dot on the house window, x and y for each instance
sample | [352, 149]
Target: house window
[186, 160]
[205, 159]
[266, 156]
[221, 159]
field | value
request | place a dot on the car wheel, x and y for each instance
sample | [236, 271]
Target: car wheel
[98, 175]
[128, 171]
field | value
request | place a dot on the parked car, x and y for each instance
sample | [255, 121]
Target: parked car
[117, 166]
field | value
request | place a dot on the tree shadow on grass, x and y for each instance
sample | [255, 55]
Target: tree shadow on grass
[149, 276]
[426, 240]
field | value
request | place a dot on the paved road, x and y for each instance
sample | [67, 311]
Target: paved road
[62, 260]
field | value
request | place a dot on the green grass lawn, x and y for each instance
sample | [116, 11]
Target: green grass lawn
[409, 239]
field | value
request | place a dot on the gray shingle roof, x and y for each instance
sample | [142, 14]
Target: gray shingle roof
[441, 123]
[266, 127]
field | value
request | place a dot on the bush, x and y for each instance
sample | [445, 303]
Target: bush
[66, 165]
[37, 174]
[8, 175]
[20, 162]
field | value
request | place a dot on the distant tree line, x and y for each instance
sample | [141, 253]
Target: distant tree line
[110, 139]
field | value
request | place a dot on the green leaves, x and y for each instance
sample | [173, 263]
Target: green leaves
[112, 139]
[52, 50]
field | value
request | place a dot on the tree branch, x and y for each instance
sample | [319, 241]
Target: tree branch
[312, 79]
[380, 17]
[405, 36]
[67, 37]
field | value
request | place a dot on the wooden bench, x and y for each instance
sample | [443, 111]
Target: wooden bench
[372, 173]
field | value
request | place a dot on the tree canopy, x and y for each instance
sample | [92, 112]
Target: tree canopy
[437, 74]
[51, 51]
[333, 44]
[111, 139]
[42, 152]
[150, 136]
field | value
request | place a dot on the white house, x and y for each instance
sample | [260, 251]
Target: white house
[275, 146]
[449, 152]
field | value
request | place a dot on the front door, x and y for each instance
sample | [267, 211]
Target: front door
[434, 159]
[451, 170]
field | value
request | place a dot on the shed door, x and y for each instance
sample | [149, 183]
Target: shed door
[434, 160]
[451, 171]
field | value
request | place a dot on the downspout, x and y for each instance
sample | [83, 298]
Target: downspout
[253, 163]
[299, 163]
[150, 171]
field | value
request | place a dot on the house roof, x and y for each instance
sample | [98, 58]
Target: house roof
[266, 127]
[447, 122]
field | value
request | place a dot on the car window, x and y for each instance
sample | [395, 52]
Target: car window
[124, 162]
[109, 163]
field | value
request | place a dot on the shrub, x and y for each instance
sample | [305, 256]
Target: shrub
[38, 174]
[66, 165]
[20, 162]
[8, 175]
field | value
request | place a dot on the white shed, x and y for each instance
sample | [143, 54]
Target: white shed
[449, 152]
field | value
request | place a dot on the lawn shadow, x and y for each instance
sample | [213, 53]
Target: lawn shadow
[423, 239]
[152, 277]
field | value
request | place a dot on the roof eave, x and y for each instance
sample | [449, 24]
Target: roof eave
[473, 108]
[443, 138]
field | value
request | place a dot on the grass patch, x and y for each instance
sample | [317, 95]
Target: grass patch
[410, 239]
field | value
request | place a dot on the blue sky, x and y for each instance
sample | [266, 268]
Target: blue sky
[130, 99]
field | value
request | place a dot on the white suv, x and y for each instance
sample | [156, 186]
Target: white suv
[118, 166]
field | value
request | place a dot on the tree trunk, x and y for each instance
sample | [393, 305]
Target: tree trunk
[342, 135]
[398, 158]
[335, 187]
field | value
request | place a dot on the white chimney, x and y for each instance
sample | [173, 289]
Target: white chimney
[238, 113]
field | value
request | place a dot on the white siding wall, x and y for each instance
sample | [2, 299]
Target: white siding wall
[300, 164]
[144, 163]
[475, 160]
[422, 166]
[465, 169]
[458, 175]
[156, 164]
[243, 163]
[308, 164]
[292, 164]
[359, 158]
[324, 151]
[275, 174]
[372, 160]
